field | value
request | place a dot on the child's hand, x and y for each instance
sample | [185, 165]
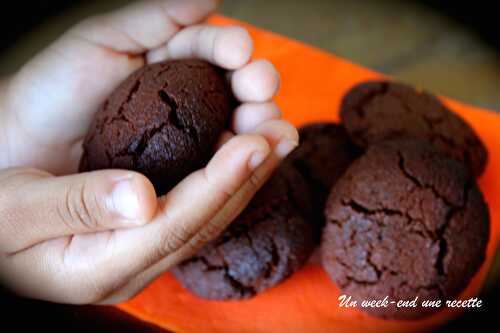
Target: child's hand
[67, 238]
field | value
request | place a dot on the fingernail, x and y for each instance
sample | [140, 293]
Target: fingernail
[285, 147]
[256, 160]
[125, 201]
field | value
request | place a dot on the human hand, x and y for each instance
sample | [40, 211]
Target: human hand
[100, 237]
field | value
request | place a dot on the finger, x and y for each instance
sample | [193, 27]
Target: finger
[279, 135]
[247, 117]
[214, 227]
[143, 25]
[192, 213]
[227, 47]
[224, 138]
[256, 82]
[35, 206]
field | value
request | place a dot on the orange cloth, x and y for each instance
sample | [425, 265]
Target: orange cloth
[313, 83]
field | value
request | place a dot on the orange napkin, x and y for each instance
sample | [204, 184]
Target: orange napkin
[313, 83]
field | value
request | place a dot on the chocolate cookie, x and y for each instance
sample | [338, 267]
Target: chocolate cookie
[404, 221]
[324, 153]
[269, 241]
[163, 121]
[380, 110]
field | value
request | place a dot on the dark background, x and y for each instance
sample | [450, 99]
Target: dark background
[478, 16]
[19, 17]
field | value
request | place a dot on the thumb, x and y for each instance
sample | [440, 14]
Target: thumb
[36, 206]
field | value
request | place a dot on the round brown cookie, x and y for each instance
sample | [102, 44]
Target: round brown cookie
[376, 111]
[269, 241]
[404, 221]
[324, 153]
[163, 121]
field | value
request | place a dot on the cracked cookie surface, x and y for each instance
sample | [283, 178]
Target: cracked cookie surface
[375, 111]
[163, 121]
[324, 153]
[269, 241]
[404, 221]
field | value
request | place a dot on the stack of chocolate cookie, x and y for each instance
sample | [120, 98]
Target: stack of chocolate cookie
[390, 194]
[395, 184]
[407, 218]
